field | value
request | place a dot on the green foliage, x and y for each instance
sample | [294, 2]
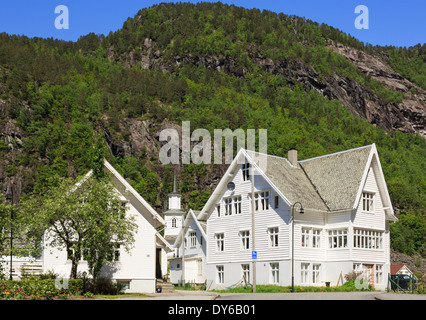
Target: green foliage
[71, 100]
[39, 289]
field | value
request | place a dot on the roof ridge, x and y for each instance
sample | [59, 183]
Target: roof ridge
[336, 153]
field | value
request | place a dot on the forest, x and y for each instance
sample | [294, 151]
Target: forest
[59, 98]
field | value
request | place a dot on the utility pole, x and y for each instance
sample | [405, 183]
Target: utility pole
[253, 238]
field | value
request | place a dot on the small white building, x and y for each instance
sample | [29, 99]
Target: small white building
[344, 227]
[189, 263]
[136, 270]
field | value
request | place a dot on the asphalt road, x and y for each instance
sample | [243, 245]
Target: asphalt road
[202, 295]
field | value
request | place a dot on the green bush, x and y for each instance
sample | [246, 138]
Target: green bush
[45, 289]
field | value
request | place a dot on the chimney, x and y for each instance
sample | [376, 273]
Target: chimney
[292, 157]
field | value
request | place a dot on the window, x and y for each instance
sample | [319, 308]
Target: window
[246, 272]
[124, 284]
[275, 273]
[305, 237]
[311, 238]
[261, 200]
[368, 239]
[304, 273]
[228, 206]
[276, 202]
[316, 273]
[368, 202]
[114, 254]
[218, 210]
[309, 276]
[237, 205]
[193, 239]
[232, 205]
[379, 274]
[220, 246]
[245, 240]
[246, 171]
[273, 237]
[174, 223]
[220, 274]
[338, 238]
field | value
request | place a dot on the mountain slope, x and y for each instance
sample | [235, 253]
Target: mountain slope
[218, 66]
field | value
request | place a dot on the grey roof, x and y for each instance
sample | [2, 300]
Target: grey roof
[324, 183]
[338, 176]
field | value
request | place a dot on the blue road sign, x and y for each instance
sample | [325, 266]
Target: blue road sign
[254, 255]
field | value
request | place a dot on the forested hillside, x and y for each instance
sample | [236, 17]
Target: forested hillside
[311, 86]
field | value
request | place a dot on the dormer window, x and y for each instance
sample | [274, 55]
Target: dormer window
[368, 201]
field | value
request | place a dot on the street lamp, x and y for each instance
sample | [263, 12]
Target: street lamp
[9, 197]
[301, 211]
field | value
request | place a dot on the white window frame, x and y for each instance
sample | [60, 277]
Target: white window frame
[220, 274]
[245, 239]
[368, 239]
[192, 239]
[304, 273]
[220, 242]
[245, 271]
[274, 272]
[378, 274]
[338, 238]
[368, 201]
[261, 200]
[245, 169]
[316, 273]
[273, 237]
[310, 237]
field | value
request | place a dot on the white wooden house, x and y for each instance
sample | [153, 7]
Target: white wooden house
[345, 225]
[136, 270]
[188, 264]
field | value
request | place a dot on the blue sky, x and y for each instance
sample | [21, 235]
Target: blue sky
[391, 22]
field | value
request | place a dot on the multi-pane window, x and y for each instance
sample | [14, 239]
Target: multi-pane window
[379, 274]
[338, 238]
[193, 239]
[220, 241]
[232, 205]
[368, 201]
[304, 273]
[245, 239]
[273, 237]
[228, 206]
[246, 171]
[220, 274]
[261, 200]
[246, 272]
[368, 239]
[275, 272]
[311, 238]
[316, 273]
[308, 275]
[174, 223]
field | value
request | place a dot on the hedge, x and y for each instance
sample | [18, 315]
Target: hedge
[43, 289]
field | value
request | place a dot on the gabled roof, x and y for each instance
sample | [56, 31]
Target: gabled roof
[337, 176]
[292, 182]
[201, 224]
[328, 183]
[128, 188]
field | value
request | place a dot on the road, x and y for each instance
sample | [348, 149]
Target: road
[202, 295]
